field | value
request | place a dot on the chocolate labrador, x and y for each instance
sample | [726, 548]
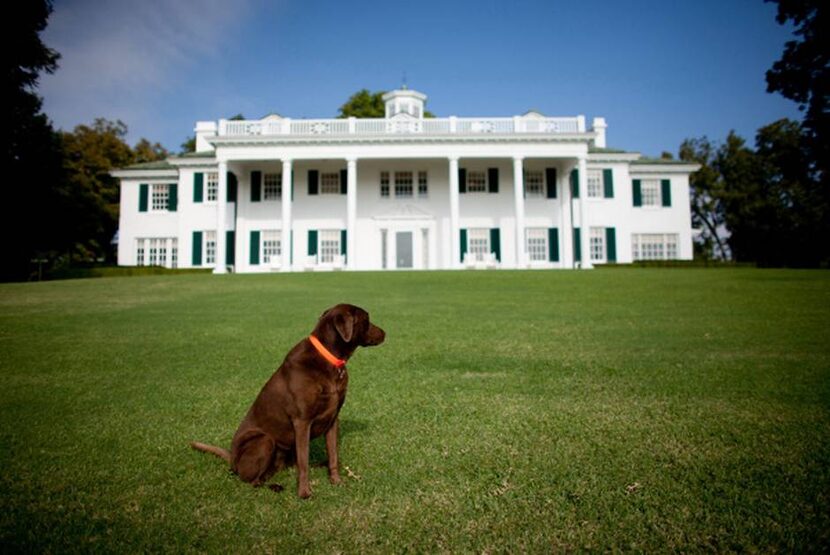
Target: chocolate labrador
[301, 401]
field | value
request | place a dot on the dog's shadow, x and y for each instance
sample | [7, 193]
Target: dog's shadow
[317, 455]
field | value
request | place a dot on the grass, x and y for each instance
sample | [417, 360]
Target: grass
[647, 410]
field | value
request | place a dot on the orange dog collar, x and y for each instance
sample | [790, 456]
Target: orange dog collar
[326, 354]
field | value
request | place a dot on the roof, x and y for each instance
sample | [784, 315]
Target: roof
[203, 154]
[662, 161]
[157, 165]
[598, 150]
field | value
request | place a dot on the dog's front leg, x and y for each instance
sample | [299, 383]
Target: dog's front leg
[331, 449]
[302, 437]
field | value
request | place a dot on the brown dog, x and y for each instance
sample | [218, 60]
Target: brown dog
[301, 401]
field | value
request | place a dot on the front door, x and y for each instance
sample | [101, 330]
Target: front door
[403, 249]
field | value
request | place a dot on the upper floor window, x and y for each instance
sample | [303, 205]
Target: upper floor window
[422, 184]
[330, 183]
[384, 184]
[212, 185]
[534, 183]
[476, 181]
[650, 191]
[595, 183]
[272, 186]
[403, 184]
[160, 197]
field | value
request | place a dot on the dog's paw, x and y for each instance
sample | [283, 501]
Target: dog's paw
[335, 479]
[304, 492]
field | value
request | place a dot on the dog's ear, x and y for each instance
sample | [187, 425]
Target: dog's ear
[344, 324]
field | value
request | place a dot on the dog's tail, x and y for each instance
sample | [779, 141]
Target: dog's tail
[218, 451]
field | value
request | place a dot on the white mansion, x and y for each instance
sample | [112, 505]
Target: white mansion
[404, 191]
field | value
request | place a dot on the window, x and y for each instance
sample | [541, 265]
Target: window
[476, 181]
[271, 246]
[210, 248]
[384, 184]
[160, 197]
[403, 184]
[330, 183]
[478, 243]
[537, 244]
[650, 190]
[654, 246]
[157, 251]
[329, 245]
[422, 184]
[212, 180]
[597, 244]
[594, 183]
[139, 252]
[272, 186]
[534, 183]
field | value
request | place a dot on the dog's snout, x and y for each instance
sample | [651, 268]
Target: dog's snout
[376, 336]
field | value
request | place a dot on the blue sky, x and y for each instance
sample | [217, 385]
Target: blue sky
[658, 71]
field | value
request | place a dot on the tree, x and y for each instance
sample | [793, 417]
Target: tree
[706, 192]
[32, 150]
[145, 151]
[365, 104]
[90, 154]
[189, 145]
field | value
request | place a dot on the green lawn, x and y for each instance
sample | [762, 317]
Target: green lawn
[643, 409]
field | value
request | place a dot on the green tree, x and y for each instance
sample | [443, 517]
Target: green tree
[189, 145]
[145, 151]
[706, 196]
[32, 150]
[91, 153]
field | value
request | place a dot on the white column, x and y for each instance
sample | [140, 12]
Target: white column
[584, 233]
[351, 212]
[567, 259]
[519, 201]
[455, 244]
[285, 234]
[221, 206]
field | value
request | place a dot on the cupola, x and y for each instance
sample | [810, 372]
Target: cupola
[404, 103]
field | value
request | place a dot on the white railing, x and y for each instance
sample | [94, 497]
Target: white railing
[382, 126]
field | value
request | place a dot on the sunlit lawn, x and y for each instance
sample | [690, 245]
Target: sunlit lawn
[649, 410]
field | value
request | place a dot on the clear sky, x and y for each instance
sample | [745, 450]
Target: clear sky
[659, 71]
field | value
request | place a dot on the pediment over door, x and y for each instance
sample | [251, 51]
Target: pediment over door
[404, 212]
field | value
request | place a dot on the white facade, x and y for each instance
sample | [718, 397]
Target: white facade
[403, 192]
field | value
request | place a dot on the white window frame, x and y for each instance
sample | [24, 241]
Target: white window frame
[596, 244]
[423, 185]
[595, 185]
[211, 186]
[140, 252]
[478, 243]
[654, 246]
[271, 186]
[330, 183]
[404, 184]
[385, 191]
[534, 181]
[476, 181]
[209, 248]
[157, 251]
[328, 246]
[270, 243]
[536, 244]
[651, 193]
[159, 197]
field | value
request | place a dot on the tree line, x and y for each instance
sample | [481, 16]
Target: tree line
[767, 203]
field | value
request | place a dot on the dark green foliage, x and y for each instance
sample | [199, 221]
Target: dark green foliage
[365, 104]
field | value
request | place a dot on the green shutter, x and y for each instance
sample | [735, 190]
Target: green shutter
[463, 243]
[173, 197]
[230, 248]
[577, 246]
[493, 180]
[610, 244]
[608, 182]
[143, 196]
[233, 185]
[198, 187]
[256, 186]
[495, 242]
[462, 180]
[343, 242]
[254, 248]
[550, 182]
[665, 184]
[344, 182]
[575, 183]
[553, 244]
[313, 177]
[637, 192]
[312, 242]
[197, 248]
